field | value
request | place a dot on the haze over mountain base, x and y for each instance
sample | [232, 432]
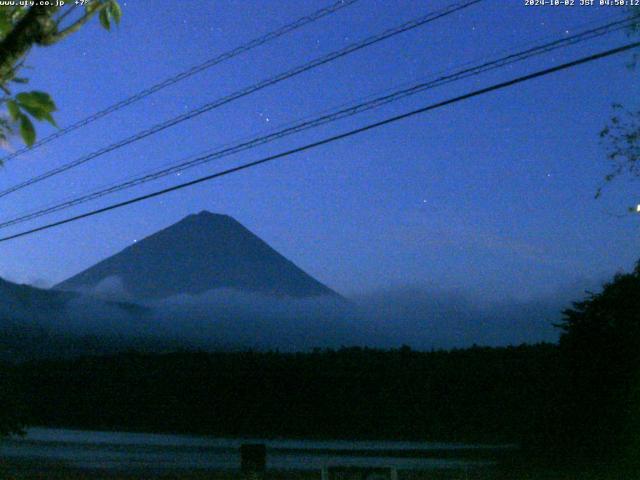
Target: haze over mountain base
[41, 323]
[209, 283]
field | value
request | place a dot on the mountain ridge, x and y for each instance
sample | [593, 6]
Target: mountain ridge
[201, 252]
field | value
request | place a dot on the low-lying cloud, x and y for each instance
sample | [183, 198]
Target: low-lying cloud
[423, 318]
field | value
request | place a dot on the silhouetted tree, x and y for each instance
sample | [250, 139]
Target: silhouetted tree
[621, 136]
[601, 348]
[482, 394]
[11, 414]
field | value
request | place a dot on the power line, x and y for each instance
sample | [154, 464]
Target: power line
[332, 139]
[327, 118]
[256, 42]
[246, 91]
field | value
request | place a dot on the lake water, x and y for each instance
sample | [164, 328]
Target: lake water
[121, 450]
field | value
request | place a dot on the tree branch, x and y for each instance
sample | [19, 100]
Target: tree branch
[64, 15]
[31, 29]
[74, 27]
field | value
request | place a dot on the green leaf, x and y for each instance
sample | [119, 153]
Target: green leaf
[38, 104]
[36, 100]
[115, 11]
[14, 110]
[35, 112]
[20, 80]
[40, 115]
[27, 132]
[19, 13]
[5, 25]
[50, 119]
[104, 19]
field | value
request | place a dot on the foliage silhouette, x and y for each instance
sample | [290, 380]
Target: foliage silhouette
[23, 26]
[475, 394]
[621, 136]
[600, 347]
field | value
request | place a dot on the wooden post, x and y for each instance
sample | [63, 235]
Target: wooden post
[253, 460]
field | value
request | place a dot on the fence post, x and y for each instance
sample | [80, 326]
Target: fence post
[253, 460]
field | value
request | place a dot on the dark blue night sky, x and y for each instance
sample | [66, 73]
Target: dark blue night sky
[493, 197]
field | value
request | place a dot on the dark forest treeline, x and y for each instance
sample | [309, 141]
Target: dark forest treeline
[475, 394]
[579, 399]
